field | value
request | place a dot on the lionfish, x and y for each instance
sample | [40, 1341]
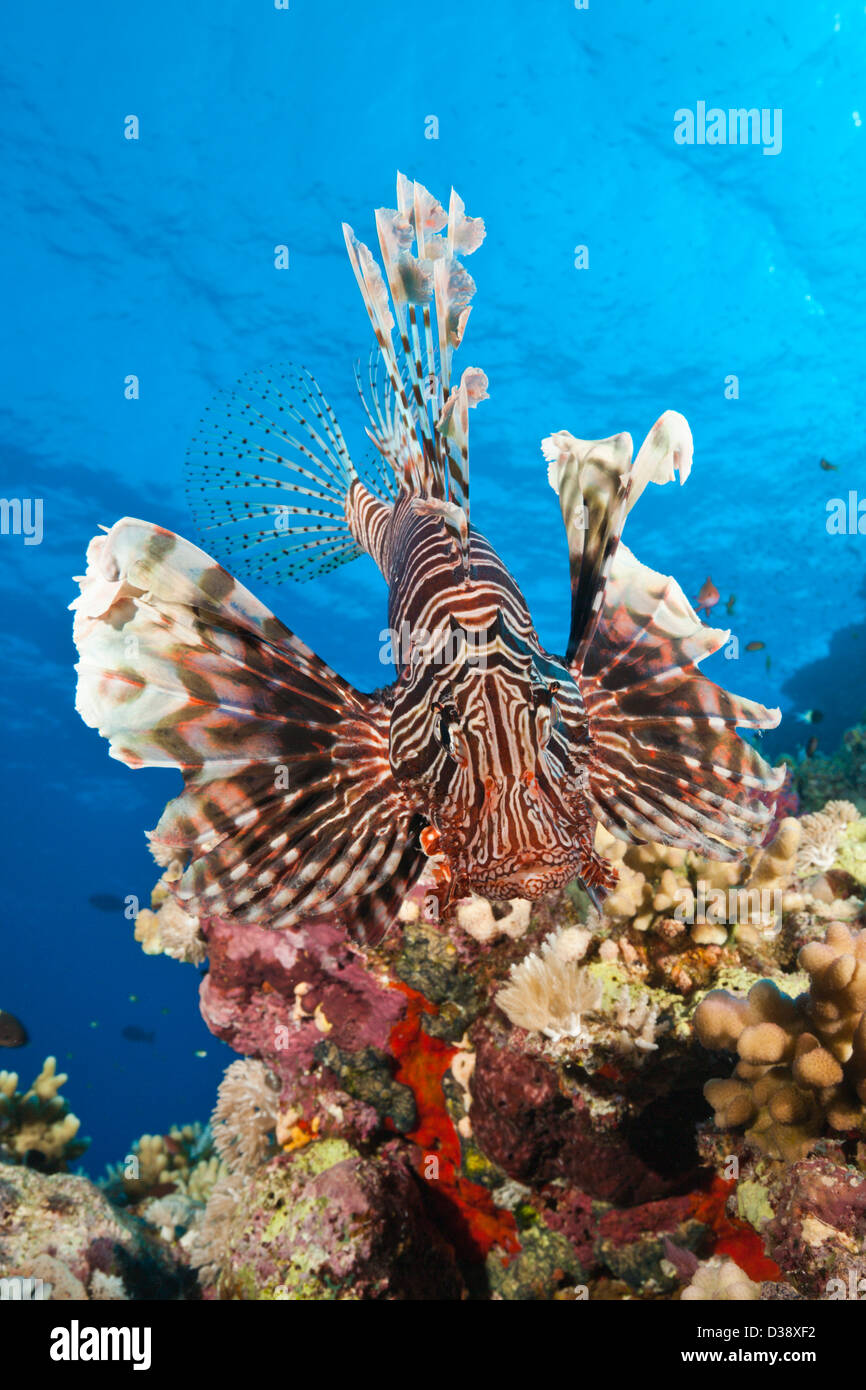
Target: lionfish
[488, 757]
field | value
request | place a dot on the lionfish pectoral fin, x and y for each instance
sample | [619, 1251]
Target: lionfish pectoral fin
[289, 809]
[666, 763]
[597, 878]
[597, 485]
[595, 897]
[271, 483]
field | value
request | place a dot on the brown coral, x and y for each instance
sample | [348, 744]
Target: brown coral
[718, 901]
[802, 1062]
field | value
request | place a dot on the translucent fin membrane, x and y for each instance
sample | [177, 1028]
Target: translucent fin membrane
[268, 474]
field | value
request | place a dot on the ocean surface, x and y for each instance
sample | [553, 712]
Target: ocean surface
[723, 280]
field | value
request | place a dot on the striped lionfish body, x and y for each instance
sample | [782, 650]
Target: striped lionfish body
[487, 755]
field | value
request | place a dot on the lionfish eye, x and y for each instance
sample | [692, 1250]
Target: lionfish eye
[547, 711]
[449, 733]
[446, 715]
[442, 730]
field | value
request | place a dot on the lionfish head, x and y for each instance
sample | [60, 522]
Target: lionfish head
[496, 760]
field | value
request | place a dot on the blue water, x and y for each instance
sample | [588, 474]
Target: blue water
[155, 257]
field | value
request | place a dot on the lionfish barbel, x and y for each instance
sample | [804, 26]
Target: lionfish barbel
[488, 755]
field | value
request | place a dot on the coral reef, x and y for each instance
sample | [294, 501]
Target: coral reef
[62, 1230]
[37, 1125]
[677, 918]
[325, 1223]
[506, 1104]
[525, 1080]
[184, 1161]
[838, 776]
[802, 1062]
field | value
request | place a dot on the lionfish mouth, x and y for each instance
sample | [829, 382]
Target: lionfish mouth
[530, 881]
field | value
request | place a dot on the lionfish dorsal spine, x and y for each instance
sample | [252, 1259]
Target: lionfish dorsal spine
[424, 294]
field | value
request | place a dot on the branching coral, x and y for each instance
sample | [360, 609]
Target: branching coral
[246, 1114]
[717, 900]
[802, 1062]
[39, 1120]
[182, 1161]
[677, 919]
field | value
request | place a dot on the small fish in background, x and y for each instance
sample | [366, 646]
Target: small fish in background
[106, 902]
[200, 1053]
[755, 646]
[12, 1031]
[133, 1033]
[810, 716]
[730, 603]
[829, 467]
[767, 664]
[812, 746]
[708, 597]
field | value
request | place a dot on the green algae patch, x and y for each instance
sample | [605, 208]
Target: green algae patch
[546, 1263]
[851, 854]
[753, 1204]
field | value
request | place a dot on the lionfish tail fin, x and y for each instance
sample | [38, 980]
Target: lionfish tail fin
[667, 764]
[421, 426]
[269, 478]
[289, 808]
